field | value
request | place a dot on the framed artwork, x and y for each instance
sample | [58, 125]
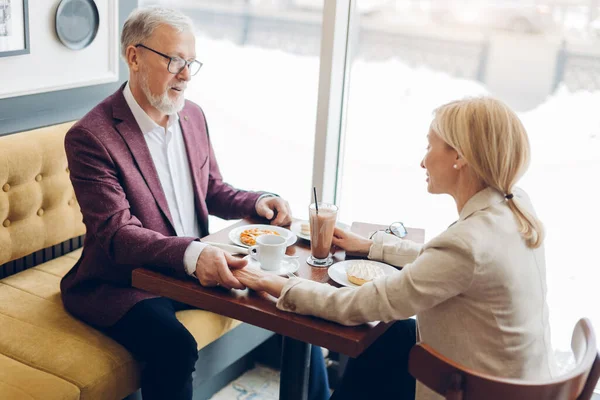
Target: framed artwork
[14, 27]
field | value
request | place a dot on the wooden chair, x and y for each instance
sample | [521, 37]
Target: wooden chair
[457, 382]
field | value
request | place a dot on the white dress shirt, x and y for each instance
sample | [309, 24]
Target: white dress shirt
[171, 162]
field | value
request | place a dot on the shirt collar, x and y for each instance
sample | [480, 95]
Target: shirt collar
[143, 120]
[481, 200]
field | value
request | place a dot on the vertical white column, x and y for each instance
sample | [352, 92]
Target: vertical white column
[335, 61]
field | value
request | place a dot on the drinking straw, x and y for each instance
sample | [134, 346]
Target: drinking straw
[316, 202]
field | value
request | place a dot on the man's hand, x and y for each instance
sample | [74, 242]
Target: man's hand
[268, 206]
[214, 268]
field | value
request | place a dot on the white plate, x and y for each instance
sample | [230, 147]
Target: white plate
[234, 234]
[337, 271]
[296, 228]
[288, 266]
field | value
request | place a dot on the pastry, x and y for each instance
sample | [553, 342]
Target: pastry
[362, 272]
[305, 228]
[248, 237]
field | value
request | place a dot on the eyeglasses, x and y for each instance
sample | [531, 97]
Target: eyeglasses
[396, 229]
[176, 64]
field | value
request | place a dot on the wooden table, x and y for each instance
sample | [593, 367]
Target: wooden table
[259, 309]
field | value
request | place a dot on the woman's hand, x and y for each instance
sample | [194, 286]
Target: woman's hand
[260, 281]
[351, 242]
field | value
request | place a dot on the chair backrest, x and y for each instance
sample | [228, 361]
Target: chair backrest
[455, 381]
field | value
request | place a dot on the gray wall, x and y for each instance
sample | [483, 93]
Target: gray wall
[37, 110]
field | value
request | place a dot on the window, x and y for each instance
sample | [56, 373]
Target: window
[542, 58]
[258, 89]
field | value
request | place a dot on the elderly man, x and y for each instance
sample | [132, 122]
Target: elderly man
[146, 178]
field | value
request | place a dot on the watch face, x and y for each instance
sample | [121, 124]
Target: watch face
[77, 23]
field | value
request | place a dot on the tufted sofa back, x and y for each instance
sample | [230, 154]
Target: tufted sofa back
[38, 208]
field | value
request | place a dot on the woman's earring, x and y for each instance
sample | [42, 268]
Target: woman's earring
[455, 166]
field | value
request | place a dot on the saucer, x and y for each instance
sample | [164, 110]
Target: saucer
[287, 266]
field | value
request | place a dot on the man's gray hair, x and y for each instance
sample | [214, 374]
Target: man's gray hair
[142, 22]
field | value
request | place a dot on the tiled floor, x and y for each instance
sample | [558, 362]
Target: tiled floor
[260, 383]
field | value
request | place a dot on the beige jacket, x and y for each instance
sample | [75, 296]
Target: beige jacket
[479, 293]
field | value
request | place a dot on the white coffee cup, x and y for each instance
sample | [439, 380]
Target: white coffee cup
[269, 251]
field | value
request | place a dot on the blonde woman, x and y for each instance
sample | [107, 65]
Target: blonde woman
[478, 289]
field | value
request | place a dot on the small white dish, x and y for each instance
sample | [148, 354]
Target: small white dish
[296, 228]
[234, 234]
[287, 266]
[337, 271]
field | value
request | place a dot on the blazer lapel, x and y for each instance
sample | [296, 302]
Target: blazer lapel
[134, 138]
[191, 145]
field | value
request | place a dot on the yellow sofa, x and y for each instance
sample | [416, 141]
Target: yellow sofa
[45, 353]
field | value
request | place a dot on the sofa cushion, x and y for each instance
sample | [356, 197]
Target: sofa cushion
[206, 327]
[19, 381]
[38, 208]
[38, 332]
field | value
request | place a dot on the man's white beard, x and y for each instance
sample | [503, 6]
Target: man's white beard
[161, 102]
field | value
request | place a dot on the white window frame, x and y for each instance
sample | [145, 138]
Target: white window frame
[334, 80]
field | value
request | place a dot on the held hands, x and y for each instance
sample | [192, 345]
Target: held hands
[260, 281]
[351, 242]
[268, 206]
[214, 267]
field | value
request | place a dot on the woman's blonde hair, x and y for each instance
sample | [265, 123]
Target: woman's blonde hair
[493, 141]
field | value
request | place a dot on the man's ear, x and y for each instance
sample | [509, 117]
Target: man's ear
[132, 56]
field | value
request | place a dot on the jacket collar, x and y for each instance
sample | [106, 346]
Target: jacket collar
[481, 200]
[143, 120]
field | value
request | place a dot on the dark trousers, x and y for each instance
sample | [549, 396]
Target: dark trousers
[318, 382]
[154, 336]
[381, 371]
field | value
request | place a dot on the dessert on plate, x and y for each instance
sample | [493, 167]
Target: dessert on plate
[305, 228]
[248, 236]
[362, 272]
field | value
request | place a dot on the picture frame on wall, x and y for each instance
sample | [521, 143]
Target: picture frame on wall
[14, 27]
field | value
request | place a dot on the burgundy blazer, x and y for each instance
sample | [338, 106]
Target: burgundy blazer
[125, 210]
